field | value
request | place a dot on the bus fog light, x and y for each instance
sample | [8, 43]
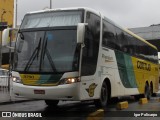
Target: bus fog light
[69, 80]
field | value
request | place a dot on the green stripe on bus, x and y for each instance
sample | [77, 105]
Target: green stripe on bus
[49, 79]
[126, 70]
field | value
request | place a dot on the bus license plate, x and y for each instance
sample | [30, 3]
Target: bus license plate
[39, 91]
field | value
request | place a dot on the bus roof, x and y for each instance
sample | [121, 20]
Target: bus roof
[70, 8]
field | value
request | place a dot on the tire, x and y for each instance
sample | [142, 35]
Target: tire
[137, 97]
[147, 92]
[52, 103]
[102, 101]
[113, 100]
[151, 89]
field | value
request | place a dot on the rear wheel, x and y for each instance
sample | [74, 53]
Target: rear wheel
[137, 97]
[52, 103]
[147, 92]
[102, 101]
[151, 89]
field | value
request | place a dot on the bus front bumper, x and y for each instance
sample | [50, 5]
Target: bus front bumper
[60, 92]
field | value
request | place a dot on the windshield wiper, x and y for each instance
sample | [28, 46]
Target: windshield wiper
[48, 56]
[34, 55]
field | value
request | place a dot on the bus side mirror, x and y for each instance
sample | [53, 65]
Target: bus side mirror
[9, 37]
[20, 46]
[5, 37]
[81, 32]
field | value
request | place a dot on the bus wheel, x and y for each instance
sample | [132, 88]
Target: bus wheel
[102, 101]
[137, 97]
[147, 92]
[151, 89]
[52, 103]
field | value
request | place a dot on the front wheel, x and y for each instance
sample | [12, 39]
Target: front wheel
[52, 103]
[102, 101]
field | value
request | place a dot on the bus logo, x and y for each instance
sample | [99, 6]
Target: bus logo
[143, 66]
[91, 89]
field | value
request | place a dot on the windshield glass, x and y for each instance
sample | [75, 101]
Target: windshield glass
[50, 19]
[47, 51]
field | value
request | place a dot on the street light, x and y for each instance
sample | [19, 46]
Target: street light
[50, 4]
[16, 8]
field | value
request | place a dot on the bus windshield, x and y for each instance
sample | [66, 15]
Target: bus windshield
[47, 51]
[47, 42]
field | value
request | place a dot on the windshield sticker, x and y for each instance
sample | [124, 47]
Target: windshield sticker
[50, 36]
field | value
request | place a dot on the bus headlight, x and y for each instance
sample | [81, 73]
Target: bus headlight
[69, 80]
[16, 79]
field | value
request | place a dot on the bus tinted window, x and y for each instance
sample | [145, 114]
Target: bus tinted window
[131, 47]
[108, 35]
[91, 49]
[118, 39]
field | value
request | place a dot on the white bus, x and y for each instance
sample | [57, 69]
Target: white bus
[78, 54]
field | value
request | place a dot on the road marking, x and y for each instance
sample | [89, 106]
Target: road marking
[97, 115]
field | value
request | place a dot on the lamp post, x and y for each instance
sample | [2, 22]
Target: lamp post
[50, 4]
[15, 15]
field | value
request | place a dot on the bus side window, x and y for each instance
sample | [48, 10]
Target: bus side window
[119, 39]
[91, 49]
[124, 42]
[108, 39]
[131, 45]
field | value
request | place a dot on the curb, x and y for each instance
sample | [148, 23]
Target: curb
[143, 101]
[122, 105]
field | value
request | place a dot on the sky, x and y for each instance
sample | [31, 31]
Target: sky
[126, 13]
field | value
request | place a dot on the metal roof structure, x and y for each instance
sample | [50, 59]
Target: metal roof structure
[151, 34]
[148, 33]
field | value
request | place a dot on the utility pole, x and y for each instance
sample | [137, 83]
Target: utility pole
[16, 7]
[50, 4]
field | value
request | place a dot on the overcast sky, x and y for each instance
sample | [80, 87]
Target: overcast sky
[126, 13]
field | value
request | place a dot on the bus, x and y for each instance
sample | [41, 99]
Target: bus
[77, 54]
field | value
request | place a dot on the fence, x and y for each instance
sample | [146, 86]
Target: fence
[4, 80]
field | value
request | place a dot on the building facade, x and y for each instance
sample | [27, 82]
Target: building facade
[6, 20]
